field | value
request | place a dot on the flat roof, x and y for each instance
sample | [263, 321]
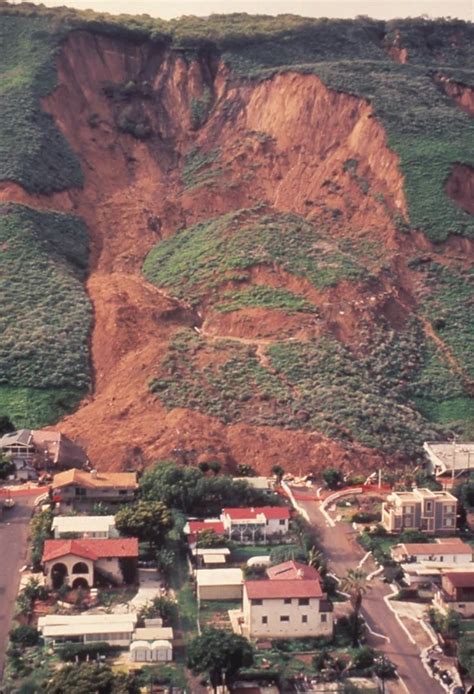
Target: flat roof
[153, 633]
[82, 523]
[86, 629]
[214, 558]
[219, 577]
[444, 453]
[55, 619]
[212, 550]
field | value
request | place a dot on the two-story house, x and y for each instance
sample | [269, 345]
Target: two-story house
[80, 489]
[42, 448]
[255, 524]
[433, 513]
[424, 563]
[289, 603]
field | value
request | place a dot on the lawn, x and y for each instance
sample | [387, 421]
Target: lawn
[215, 612]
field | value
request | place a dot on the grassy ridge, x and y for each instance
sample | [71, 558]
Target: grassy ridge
[194, 261]
[45, 315]
[33, 152]
[260, 296]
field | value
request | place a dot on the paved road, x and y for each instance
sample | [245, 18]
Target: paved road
[13, 548]
[343, 553]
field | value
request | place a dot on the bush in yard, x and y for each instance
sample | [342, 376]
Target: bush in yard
[25, 635]
[363, 658]
[161, 607]
[72, 652]
[333, 478]
[365, 517]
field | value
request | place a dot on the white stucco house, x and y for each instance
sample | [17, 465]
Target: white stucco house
[290, 603]
[78, 562]
[255, 524]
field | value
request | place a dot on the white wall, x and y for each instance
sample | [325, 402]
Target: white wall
[274, 609]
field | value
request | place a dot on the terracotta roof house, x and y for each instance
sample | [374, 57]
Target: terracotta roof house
[456, 592]
[255, 524]
[78, 563]
[289, 603]
[78, 488]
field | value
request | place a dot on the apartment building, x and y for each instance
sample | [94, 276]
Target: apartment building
[433, 513]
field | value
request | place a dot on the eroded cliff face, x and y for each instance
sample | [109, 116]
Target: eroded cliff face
[287, 142]
[461, 93]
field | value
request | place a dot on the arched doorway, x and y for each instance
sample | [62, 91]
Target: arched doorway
[80, 583]
[80, 568]
[58, 575]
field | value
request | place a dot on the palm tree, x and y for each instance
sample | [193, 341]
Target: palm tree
[355, 584]
[317, 560]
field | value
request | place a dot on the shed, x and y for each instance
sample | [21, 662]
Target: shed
[219, 584]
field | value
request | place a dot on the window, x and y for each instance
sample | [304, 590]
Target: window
[303, 601]
[287, 601]
[324, 618]
[282, 522]
[448, 522]
[80, 491]
[284, 618]
[257, 602]
[123, 492]
[429, 506]
[264, 619]
[304, 618]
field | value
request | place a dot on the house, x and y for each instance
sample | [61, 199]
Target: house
[443, 551]
[152, 644]
[114, 629]
[449, 458]
[78, 563]
[290, 603]
[81, 489]
[219, 584]
[433, 513]
[424, 563]
[255, 524]
[70, 527]
[456, 592]
[43, 449]
[194, 528]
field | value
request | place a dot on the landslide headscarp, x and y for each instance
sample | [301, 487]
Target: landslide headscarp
[280, 221]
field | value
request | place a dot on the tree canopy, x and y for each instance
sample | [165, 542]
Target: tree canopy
[191, 491]
[90, 677]
[220, 654]
[147, 520]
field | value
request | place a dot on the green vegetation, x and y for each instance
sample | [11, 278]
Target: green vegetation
[313, 385]
[195, 260]
[199, 169]
[260, 296]
[45, 316]
[33, 152]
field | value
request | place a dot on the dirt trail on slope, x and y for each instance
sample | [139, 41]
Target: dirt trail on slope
[286, 144]
[447, 354]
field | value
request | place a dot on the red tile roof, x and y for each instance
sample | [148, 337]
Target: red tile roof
[269, 512]
[201, 526]
[437, 548]
[292, 570]
[460, 579]
[91, 549]
[297, 588]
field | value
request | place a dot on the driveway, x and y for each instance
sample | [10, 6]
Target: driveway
[13, 551]
[343, 553]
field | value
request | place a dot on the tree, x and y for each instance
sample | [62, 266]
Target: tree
[466, 654]
[7, 468]
[278, 471]
[244, 470]
[215, 466]
[161, 607]
[147, 520]
[208, 539]
[24, 635]
[204, 467]
[278, 555]
[220, 654]
[354, 583]
[165, 561]
[465, 493]
[6, 425]
[333, 478]
[317, 560]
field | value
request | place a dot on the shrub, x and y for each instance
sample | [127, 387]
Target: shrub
[365, 517]
[25, 636]
[81, 652]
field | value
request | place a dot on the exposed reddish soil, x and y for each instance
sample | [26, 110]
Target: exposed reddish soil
[286, 142]
[461, 93]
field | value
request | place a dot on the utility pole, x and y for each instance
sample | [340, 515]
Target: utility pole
[454, 459]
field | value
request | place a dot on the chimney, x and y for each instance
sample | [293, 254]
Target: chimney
[94, 473]
[300, 573]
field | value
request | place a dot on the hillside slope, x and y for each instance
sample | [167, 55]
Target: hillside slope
[280, 233]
